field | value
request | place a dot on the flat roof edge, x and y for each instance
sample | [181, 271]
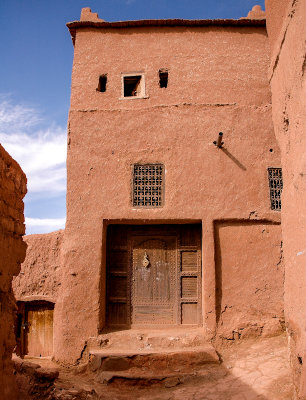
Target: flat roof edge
[164, 22]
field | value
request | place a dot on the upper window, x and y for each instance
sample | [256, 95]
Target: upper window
[148, 185]
[276, 186]
[133, 85]
[163, 78]
[102, 83]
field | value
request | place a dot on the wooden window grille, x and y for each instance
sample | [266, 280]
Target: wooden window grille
[276, 186]
[148, 185]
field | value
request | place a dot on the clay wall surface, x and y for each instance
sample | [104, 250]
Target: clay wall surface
[249, 284]
[12, 252]
[217, 82]
[288, 83]
[39, 278]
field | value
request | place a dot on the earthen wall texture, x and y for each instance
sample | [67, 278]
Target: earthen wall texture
[12, 253]
[217, 82]
[250, 285]
[39, 278]
[287, 31]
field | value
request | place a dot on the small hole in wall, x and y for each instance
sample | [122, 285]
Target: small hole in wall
[271, 150]
[102, 83]
[300, 360]
[163, 78]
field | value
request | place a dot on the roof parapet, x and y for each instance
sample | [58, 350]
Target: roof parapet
[89, 19]
[87, 15]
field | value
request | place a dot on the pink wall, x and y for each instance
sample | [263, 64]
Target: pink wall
[250, 283]
[40, 275]
[286, 25]
[13, 187]
[217, 82]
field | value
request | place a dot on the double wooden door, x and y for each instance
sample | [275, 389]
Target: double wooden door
[154, 275]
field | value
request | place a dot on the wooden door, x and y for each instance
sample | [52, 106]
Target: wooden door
[40, 331]
[154, 277]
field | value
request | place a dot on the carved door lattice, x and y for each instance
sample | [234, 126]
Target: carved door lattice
[153, 280]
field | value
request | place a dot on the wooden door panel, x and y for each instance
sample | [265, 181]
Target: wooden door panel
[143, 284]
[153, 280]
[153, 314]
[40, 332]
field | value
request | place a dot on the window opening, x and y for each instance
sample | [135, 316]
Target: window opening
[148, 184]
[276, 187]
[163, 78]
[102, 83]
[132, 86]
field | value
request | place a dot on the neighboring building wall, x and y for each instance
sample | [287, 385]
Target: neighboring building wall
[12, 253]
[39, 278]
[217, 82]
[287, 33]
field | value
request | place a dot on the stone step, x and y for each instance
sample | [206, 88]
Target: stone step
[165, 360]
[136, 339]
[138, 379]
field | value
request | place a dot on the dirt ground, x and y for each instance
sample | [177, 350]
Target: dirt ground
[252, 369]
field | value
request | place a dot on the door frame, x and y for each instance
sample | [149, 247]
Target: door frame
[22, 324]
[150, 228]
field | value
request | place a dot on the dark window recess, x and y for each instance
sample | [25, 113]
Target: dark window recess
[163, 78]
[102, 83]
[132, 85]
[276, 187]
[148, 185]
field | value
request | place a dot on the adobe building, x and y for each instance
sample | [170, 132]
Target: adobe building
[287, 35]
[165, 228]
[171, 227]
[13, 187]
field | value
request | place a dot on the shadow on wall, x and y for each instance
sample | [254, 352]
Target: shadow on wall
[233, 158]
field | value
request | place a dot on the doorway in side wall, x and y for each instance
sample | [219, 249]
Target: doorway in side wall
[34, 331]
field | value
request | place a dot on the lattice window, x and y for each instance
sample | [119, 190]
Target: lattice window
[276, 187]
[148, 185]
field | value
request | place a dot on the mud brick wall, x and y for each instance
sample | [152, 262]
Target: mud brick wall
[39, 276]
[287, 34]
[250, 283]
[217, 82]
[12, 253]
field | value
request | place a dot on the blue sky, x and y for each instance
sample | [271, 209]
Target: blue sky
[35, 69]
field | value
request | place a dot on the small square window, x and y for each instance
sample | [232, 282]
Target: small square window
[276, 186]
[133, 86]
[148, 185]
